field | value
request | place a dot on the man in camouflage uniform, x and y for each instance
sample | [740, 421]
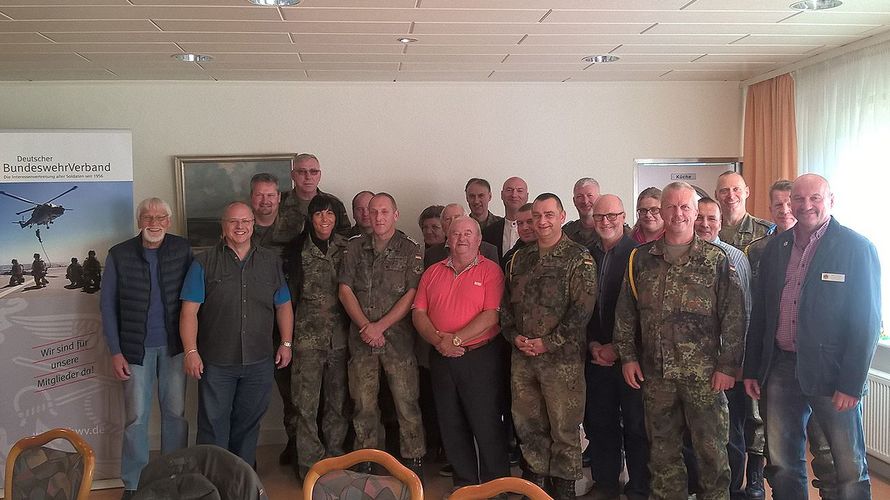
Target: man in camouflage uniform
[271, 233]
[360, 214]
[682, 300]
[306, 174]
[378, 281]
[584, 195]
[320, 326]
[549, 294]
[739, 228]
[823, 463]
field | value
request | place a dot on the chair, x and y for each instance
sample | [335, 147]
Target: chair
[31, 467]
[498, 486]
[329, 479]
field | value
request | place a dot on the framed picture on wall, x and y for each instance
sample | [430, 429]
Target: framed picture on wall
[206, 184]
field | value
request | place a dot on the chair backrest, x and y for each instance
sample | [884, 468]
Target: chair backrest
[332, 474]
[498, 486]
[31, 466]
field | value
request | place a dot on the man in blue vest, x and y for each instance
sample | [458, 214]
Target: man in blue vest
[140, 318]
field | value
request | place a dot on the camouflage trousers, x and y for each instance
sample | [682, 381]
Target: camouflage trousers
[673, 406]
[548, 408]
[312, 370]
[400, 367]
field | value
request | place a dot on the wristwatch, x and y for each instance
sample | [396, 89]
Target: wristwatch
[287, 343]
[457, 341]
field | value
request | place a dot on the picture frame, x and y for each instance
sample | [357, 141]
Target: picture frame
[206, 184]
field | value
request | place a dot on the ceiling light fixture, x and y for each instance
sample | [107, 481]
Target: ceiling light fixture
[602, 58]
[405, 39]
[274, 3]
[188, 57]
[816, 4]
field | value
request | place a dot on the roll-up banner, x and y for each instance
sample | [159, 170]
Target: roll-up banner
[66, 196]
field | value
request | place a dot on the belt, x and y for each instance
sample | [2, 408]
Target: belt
[477, 345]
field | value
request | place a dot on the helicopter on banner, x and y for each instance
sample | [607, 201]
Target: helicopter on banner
[42, 214]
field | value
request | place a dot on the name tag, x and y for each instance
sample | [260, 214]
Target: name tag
[837, 278]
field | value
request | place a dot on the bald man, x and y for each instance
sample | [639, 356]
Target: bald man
[503, 234]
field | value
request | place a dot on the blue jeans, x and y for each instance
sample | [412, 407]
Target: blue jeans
[231, 402]
[157, 366]
[787, 411]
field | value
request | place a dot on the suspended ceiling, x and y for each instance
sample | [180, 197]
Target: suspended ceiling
[457, 40]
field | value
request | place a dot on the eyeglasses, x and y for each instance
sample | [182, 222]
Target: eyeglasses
[611, 217]
[311, 172]
[149, 219]
[235, 222]
[641, 212]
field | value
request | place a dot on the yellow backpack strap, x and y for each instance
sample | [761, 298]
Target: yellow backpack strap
[510, 265]
[630, 273]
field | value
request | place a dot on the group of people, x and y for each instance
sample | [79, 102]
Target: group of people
[86, 276]
[696, 347]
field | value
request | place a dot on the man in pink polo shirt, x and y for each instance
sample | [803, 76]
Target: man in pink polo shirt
[456, 311]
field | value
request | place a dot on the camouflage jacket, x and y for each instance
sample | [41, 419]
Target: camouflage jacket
[292, 214]
[689, 317]
[275, 237]
[749, 229]
[754, 251]
[320, 322]
[379, 280]
[491, 219]
[550, 296]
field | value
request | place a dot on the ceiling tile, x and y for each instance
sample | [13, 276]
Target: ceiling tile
[58, 48]
[578, 50]
[759, 58]
[662, 16]
[360, 4]
[783, 5]
[133, 12]
[75, 26]
[521, 29]
[711, 75]
[830, 17]
[555, 4]
[761, 29]
[258, 75]
[22, 38]
[620, 39]
[351, 49]
[284, 27]
[352, 76]
[430, 58]
[554, 58]
[30, 3]
[337, 38]
[412, 66]
[618, 75]
[168, 36]
[713, 49]
[830, 40]
[415, 15]
[55, 74]
[253, 48]
[439, 76]
[160, 74]
[205, 3]
[529, 76]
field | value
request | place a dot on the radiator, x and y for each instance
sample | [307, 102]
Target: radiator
[876, 415]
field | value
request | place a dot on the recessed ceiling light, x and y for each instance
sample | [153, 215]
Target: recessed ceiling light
[816, 4]
[602, 58]
[274, 3]
[187, 57]
[405, 39]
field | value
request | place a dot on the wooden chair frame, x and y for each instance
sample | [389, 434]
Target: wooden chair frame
[498, 486]
[81, 446]
[346, 461]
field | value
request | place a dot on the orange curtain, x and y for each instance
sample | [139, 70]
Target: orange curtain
[770, 139]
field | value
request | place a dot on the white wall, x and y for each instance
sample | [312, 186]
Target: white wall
[420, 142]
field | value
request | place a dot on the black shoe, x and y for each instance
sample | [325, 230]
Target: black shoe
[563, 489]
[416, 466]
[288, 453]
[447, 470]
[754, 474]
[515, 457]
[536, 479]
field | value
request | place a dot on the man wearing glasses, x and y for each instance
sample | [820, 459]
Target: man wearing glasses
[295, 203]
[232, 295]
[140, 320]
[614, 413]
[681, 298]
